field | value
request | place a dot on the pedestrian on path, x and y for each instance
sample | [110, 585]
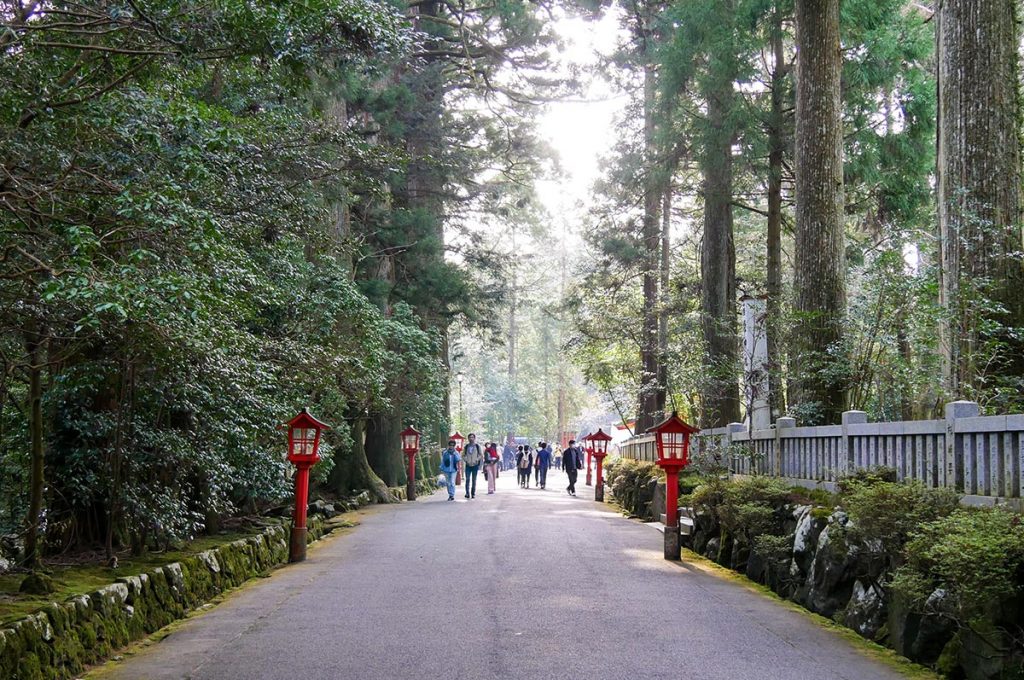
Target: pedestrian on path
[472, 458]
[572, 462]
[449, 466]
[491, 460]
[543, 463]
[524, 461]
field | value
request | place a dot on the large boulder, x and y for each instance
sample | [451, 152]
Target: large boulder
[809, 525]
[322, 507]
[921, 637]
[37, 583]
[658, 501]
[829, 584]
[866, 611]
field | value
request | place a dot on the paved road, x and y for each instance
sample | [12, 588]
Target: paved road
[523, 584]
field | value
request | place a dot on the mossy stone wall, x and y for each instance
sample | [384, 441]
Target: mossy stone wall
[64, 637]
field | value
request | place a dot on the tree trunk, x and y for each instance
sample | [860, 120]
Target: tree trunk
[664, 273]
[356, 474]
[513, 310]
[384, 446]
[34, 348]
[652, 395]
[776, 151]
[979, 180]
[720, 403]
[818, 366]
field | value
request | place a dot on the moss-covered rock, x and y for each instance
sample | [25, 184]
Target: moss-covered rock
[63, 638]
[37, 583]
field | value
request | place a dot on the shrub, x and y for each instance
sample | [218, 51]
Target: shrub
[866, 476]
[628, 481]
[747, 507]
[886, 513]
[976, 555]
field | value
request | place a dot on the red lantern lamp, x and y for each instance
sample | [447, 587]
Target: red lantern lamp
[303, 447]
[673, 438]
[599, 444]
[458, 441]
[458, 447]
[588, 446]
[410, 447]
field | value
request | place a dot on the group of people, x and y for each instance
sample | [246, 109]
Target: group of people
[527, 459]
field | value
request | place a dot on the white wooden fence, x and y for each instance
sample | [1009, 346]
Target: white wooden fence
[980, 456]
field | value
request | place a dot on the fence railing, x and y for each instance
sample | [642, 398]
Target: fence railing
[980, 456]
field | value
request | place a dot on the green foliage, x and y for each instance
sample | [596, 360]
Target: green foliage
[974, 555]
[885, 514]
[175, 244]
[629, 481]
[748, 507]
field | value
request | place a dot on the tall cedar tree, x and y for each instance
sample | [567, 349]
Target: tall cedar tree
[979, 206]
[817, 365]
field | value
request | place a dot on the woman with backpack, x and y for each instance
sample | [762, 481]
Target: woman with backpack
[524, 461]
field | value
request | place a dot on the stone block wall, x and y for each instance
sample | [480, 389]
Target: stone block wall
[64, 637]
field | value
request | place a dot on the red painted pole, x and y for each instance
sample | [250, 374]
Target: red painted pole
[589, 456]
[297, 548]
[599, 490]
[410, 488]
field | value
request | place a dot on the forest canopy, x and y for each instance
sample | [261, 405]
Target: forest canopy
[216, 214]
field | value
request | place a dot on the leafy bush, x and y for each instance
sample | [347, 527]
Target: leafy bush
[866, 476]
[886, 513]
[975, 554]
[628, 480]
[746, 507]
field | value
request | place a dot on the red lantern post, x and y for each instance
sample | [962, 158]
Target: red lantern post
[410, 447]
[589, 447]
[673, 437]
[458, 448]
[303, 444]
[599, 441]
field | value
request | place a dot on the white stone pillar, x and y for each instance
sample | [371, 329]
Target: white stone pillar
[755, 363]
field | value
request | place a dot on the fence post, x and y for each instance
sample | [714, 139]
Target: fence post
[953, 467]
[780, 425]
[850, 418]
[730, 430]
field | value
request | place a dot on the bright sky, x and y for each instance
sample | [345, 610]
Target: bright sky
[583, 129]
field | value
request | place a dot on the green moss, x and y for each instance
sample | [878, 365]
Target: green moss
[819, 512]
[870, 649]
[100, 617]
[30, 668]
[949, 659]
[81, 579]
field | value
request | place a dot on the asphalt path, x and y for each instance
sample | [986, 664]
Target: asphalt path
[524, 584]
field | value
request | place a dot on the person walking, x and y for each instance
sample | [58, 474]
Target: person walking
[524, 460]
[572, 462]
[449, 466]
[472, 458]
[543, 463]
[491, 461]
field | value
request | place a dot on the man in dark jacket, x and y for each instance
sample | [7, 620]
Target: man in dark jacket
[572, 461]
